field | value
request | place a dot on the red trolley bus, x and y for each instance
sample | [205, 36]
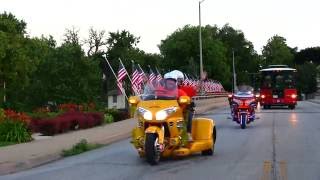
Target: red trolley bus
[278, 87]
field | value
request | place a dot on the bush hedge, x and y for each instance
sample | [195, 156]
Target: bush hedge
[71, 120]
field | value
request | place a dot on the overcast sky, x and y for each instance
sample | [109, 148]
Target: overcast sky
[154, 20]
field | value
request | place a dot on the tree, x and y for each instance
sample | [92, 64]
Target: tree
[180, 50]
[67, 76]
[121, 45]
[276, 51]
[71, 36]
[95, 41]
[306, 78]
[15, 65]
[308, 55]
[246, 58]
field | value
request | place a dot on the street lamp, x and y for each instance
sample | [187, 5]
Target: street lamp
[200, 46]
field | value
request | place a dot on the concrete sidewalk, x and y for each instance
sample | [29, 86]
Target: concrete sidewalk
[19, 157]
[314, 100]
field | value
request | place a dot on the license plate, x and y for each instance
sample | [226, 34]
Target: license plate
[275, 96]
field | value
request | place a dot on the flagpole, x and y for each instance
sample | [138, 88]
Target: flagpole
[142, 70]
[144, 74]
[125, 70]
[158, 71]
[121, 89]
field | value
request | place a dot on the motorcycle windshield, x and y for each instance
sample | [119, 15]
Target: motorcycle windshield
[244, 94]
[165, 89]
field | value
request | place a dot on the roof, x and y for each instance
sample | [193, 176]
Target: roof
[113, 92]
[277, 69]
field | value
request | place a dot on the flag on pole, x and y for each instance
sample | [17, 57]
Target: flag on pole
[152, 76]
[159, 77]
[136, 80]
[121, 75]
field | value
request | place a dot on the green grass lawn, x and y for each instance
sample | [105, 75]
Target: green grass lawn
[80, 147]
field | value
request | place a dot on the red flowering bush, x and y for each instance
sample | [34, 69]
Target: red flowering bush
[71, 120]
[68, 107]
[17, 116]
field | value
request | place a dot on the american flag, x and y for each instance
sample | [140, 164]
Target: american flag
[121, 75]
[135, 80]
[187, 81]
[152, 76]
[159, 77]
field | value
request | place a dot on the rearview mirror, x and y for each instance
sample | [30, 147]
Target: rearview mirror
[184, 100]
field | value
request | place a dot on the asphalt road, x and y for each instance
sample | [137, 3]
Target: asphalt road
[282, 144]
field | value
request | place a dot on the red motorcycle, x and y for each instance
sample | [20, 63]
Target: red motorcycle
[243, 105]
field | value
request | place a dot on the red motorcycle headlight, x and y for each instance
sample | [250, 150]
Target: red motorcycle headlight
[263, 96]
[293, 96]
[230, 95]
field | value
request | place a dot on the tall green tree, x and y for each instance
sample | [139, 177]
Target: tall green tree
[180, 50]
[123, 45]
[276, 51]
[308, 55]
[246, 58]
[306, 78]
[16, 62]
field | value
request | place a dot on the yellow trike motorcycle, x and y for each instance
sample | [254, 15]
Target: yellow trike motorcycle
[161, 127]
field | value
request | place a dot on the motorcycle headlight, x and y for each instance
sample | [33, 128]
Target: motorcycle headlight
[147, 115]
[163, 114]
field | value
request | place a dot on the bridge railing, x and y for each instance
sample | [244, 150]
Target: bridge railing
[210, 95]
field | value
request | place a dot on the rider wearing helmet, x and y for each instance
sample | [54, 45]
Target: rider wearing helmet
[184, 91]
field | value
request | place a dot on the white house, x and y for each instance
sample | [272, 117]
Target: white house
[116, 100]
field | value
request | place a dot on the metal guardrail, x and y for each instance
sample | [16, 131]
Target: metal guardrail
[211, 95]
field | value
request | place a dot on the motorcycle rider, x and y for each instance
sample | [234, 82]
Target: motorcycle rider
[184, 91]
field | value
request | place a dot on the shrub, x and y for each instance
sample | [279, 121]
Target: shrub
[80, 147]
[14, 131]
[37, 117]
[48, 127]
[69, 121]
[108, 118]
[17, 116]
[118, 115]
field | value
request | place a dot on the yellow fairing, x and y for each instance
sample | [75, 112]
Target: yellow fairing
[156, 130]
[137, 137]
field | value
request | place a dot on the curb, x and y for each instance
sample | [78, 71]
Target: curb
[13, 167]
[314, 101]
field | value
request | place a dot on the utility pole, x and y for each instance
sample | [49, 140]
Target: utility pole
[200, 46]
[234, 74]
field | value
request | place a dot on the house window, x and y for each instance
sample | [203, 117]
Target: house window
[114, 98]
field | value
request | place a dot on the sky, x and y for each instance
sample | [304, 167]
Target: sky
[154, 20]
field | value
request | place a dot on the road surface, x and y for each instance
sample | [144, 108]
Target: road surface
[282, 144]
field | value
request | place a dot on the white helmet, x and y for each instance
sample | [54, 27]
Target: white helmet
[170, 75]
[178, 74]
[175, 74]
